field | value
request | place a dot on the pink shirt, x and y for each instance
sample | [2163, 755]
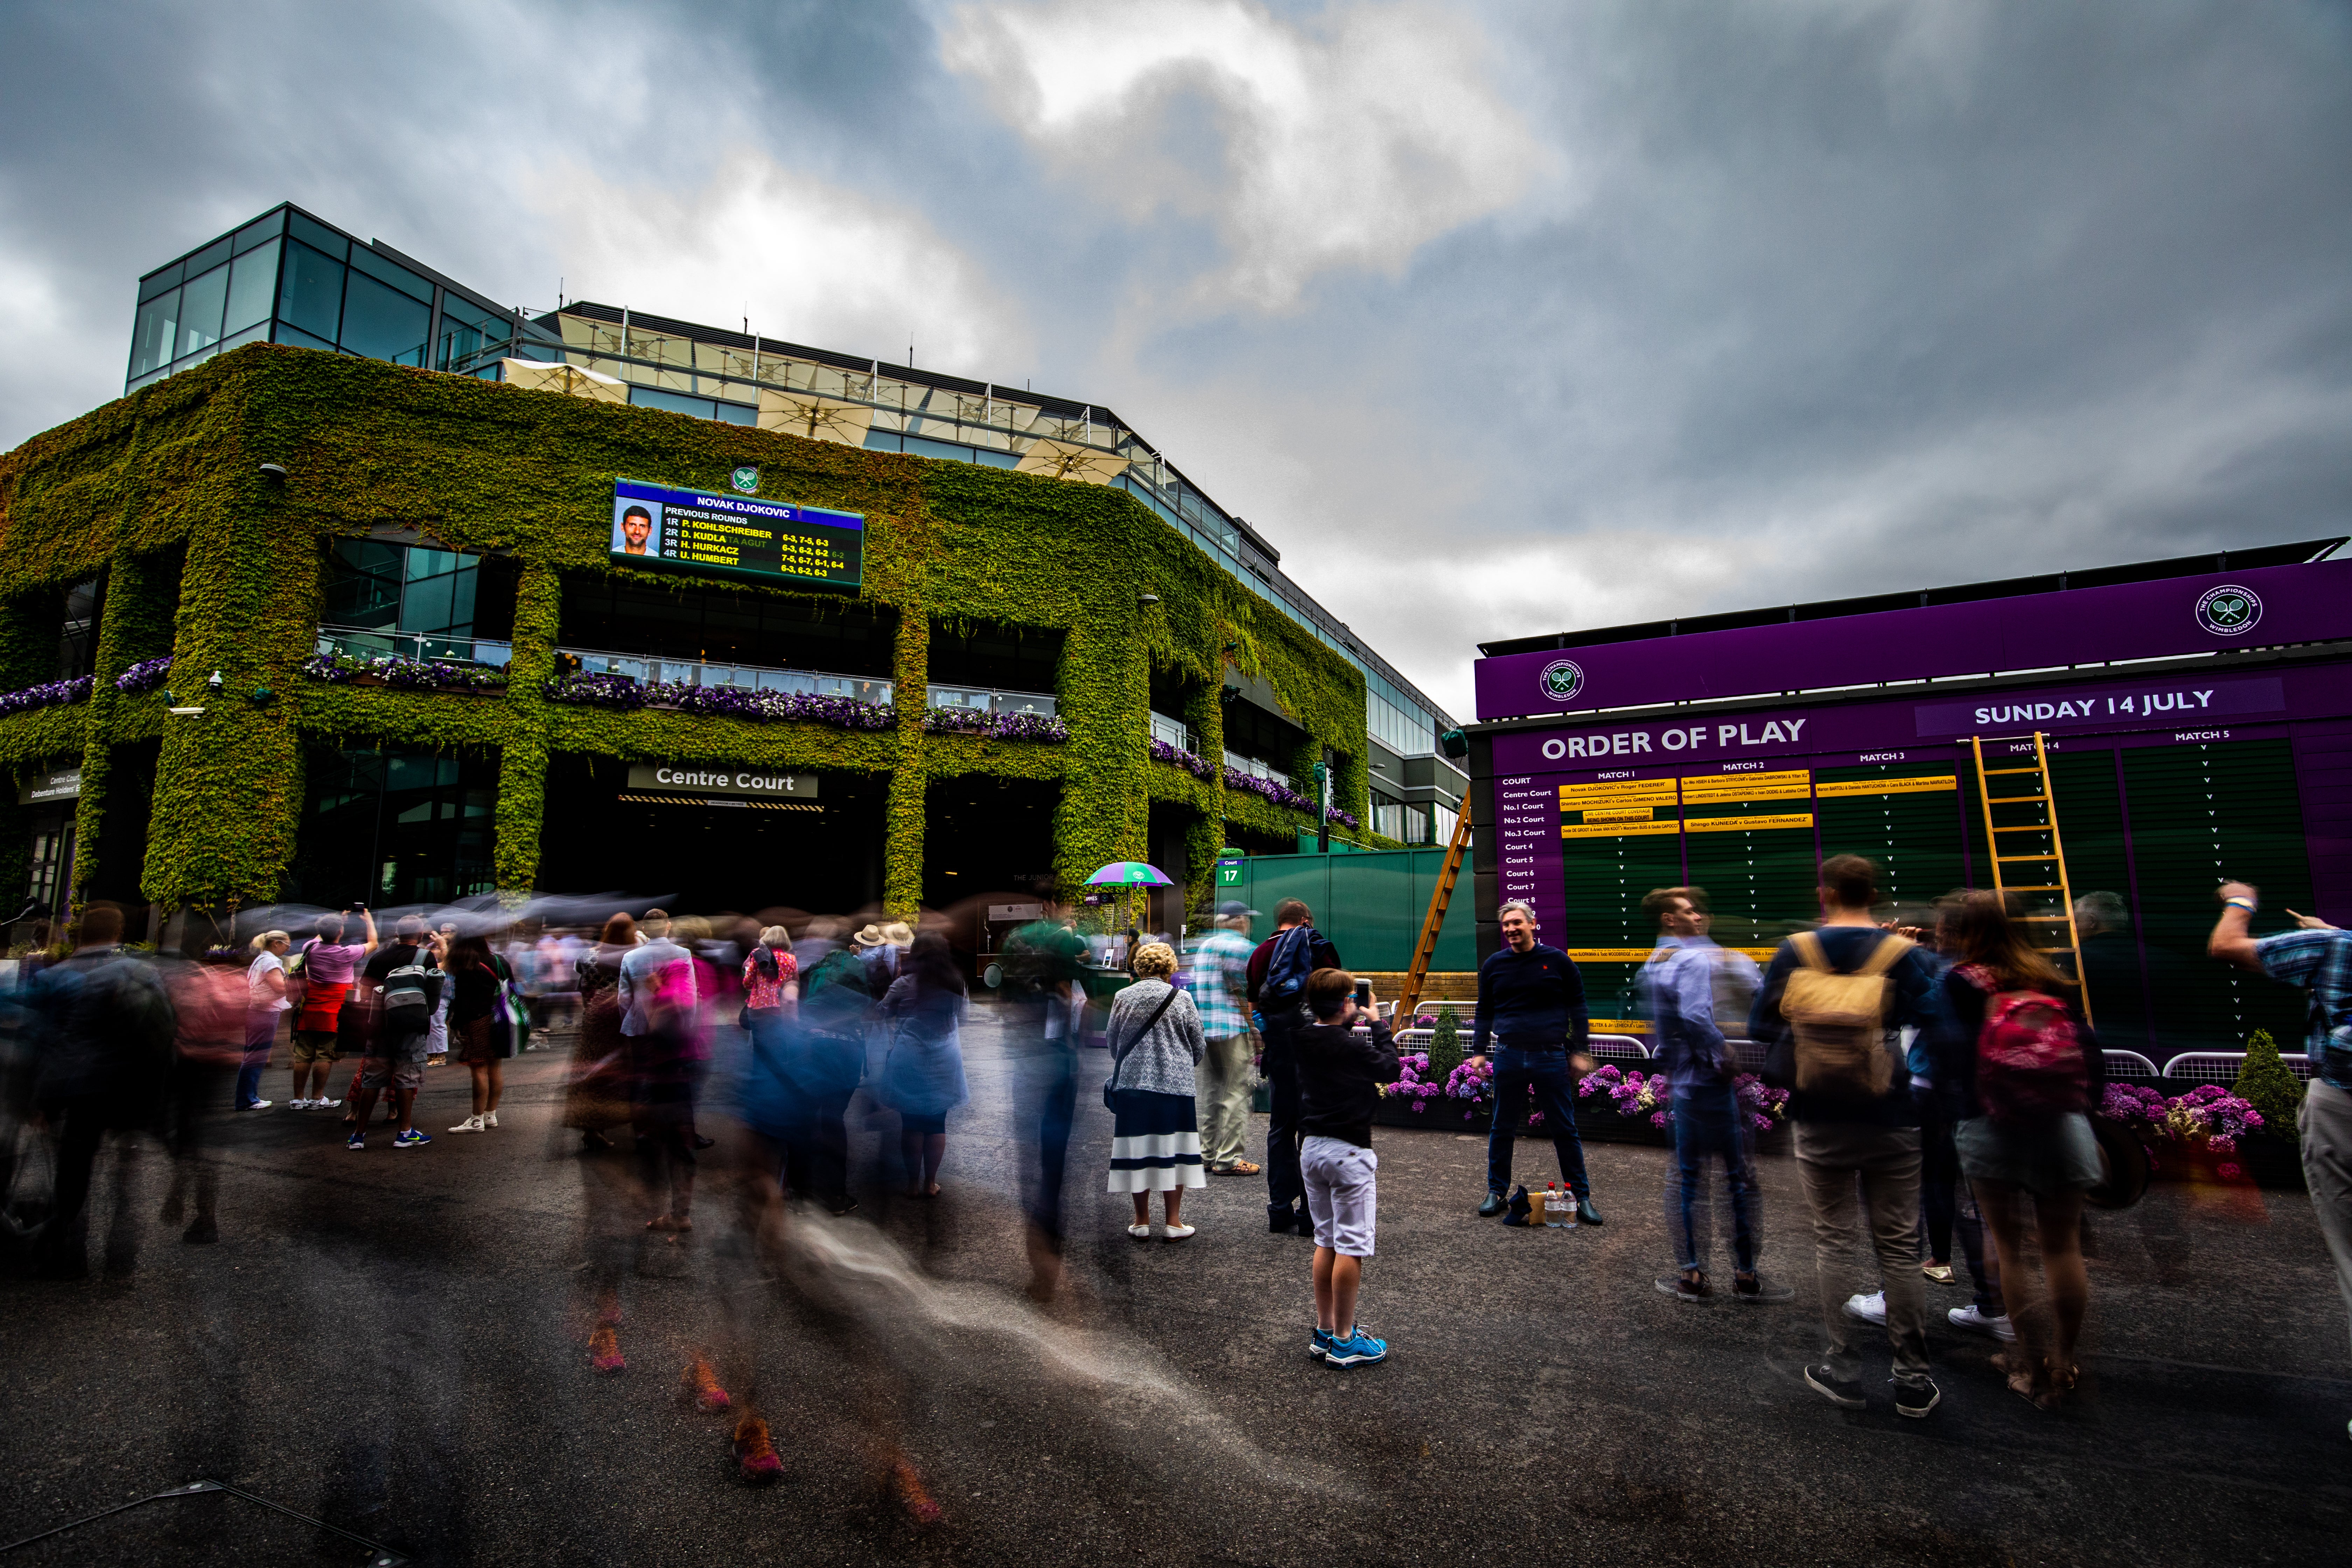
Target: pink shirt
[332, 965]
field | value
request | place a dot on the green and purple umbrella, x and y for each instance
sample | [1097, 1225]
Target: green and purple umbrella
[1129, 874]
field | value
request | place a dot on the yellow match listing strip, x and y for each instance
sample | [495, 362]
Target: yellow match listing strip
[1740, 797]
[1707, 782]
[1621, 814]
[1750, 823]
[1919, 785]
[1621, 829]
[1611, 954]
[1572, 796]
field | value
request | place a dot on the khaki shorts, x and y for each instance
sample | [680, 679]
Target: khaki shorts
[312, 1047]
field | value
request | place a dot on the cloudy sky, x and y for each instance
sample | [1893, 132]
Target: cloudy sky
[1496, 319]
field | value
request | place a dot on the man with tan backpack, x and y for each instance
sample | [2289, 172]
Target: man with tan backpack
[1829, 1016]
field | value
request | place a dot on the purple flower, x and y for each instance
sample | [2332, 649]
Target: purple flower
[1198, 766]
[413, 674]
[48, 695]
[144, 675]
[999, 726]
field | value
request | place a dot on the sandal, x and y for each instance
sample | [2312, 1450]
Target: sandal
[2060, 1386]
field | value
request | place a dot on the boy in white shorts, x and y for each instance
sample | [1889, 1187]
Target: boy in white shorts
[1339, 1075]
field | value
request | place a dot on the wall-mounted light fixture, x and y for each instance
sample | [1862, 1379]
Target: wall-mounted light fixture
[274, 473]
[1146, 599]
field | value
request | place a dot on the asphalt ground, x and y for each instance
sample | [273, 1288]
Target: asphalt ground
[394, 1342]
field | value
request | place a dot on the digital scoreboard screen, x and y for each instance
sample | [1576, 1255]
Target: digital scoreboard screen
[736, 536]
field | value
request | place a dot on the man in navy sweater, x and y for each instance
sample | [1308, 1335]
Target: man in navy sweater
[1531, 1000]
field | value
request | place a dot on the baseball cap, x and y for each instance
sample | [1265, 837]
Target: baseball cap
[1234, 908]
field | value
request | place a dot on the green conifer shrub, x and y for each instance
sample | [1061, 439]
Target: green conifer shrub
[2264, 1083]
[1444, 1046]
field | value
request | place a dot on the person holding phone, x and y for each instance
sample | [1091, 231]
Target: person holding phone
[1339, 1075]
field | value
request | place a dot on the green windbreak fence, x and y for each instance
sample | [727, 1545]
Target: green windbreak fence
[1369, 902]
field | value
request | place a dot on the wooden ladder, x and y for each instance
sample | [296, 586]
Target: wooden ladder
[2049, 865]
[1425, 949]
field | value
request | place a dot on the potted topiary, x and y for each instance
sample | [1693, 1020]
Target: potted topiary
[2265, 1083]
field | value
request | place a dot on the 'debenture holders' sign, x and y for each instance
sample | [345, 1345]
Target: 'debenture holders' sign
[738, 536]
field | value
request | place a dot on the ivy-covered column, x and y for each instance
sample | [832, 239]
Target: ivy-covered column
[135, 624]
[910, 680]
[1105, 692]
[522, 737]
[228, 783]
[30, 626]
[1204, 715]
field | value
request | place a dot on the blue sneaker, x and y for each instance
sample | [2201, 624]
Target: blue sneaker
[356, 1140]
[1356, 1349]
[1321, 1345]
[409, 1140]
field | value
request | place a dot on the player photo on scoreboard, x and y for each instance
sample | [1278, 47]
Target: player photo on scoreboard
[636, 526]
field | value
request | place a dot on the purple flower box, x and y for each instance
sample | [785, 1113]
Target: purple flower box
[144, 675]
[409, 674]
[1042, 727]
[50, 694]
[623, 693]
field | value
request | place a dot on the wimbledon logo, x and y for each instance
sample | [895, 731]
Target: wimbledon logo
[746, 480]
[1562, 679]
[2230, 610]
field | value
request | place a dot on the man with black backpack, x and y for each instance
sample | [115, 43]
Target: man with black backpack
[1829, 1017]
[1277, 990]
[398, 991]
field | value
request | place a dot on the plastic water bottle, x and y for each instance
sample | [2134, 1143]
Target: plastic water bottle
[1569, 1223]
[1554, 1216]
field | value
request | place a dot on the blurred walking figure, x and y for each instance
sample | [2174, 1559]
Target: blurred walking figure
[330, 965]
[436, 1032]
[1155, 1045]
[1694, 988]
[824, 1061]
[1828, 1015]
[1947, 1203]
[2317, 958]
[208, 1005]
[598, 1094]
[1044, 966]
[103, 1030]
[2018, 1071]
[1221, 991]
[265, 984]
[483, 1036]
[772, 978]
[1531, 1001]
[1279, 971]
[658, 1016]
[922, 1075]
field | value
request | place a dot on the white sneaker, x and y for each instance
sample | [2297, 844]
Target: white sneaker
[262, 1105]
[1179, 1232]
[1869, 1309]
[324, 1104]
[489, 1118]
[471, 1124]
[1977, 1322]
[1140, 1232]
[297, 1105]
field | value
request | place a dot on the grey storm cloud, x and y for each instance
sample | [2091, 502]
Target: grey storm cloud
[1497, 319]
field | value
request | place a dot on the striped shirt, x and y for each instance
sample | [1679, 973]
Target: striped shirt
[1221, 981]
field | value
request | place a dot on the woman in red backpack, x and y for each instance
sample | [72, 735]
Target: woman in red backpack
[2018, 1071]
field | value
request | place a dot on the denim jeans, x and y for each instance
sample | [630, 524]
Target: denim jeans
[1544, 1075]
[1708, 1122]
[261, 1036]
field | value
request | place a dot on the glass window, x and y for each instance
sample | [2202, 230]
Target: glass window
[200, 311]
[155, 282]
[318, 235]
[649, 397]
[155, 333]
[261, 231]
[381, 323]
[363, 584]
[399, 276]
[738, 413]
[251, 284]
[310, 295]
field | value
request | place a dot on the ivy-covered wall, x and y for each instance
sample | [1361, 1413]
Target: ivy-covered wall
[214, 563]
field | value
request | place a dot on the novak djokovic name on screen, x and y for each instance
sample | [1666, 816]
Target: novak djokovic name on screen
[736, 535]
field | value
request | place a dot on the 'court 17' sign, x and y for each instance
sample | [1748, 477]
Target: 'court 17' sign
[1563, 679]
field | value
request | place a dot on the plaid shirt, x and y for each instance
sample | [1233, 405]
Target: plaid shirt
[1220, 981]
[2321, 963]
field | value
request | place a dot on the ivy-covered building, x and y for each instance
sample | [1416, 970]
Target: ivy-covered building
[341, 600]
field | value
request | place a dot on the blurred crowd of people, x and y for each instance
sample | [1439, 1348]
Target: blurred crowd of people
[1939, 1078]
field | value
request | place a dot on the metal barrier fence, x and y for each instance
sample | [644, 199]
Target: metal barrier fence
[2222, 1067]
